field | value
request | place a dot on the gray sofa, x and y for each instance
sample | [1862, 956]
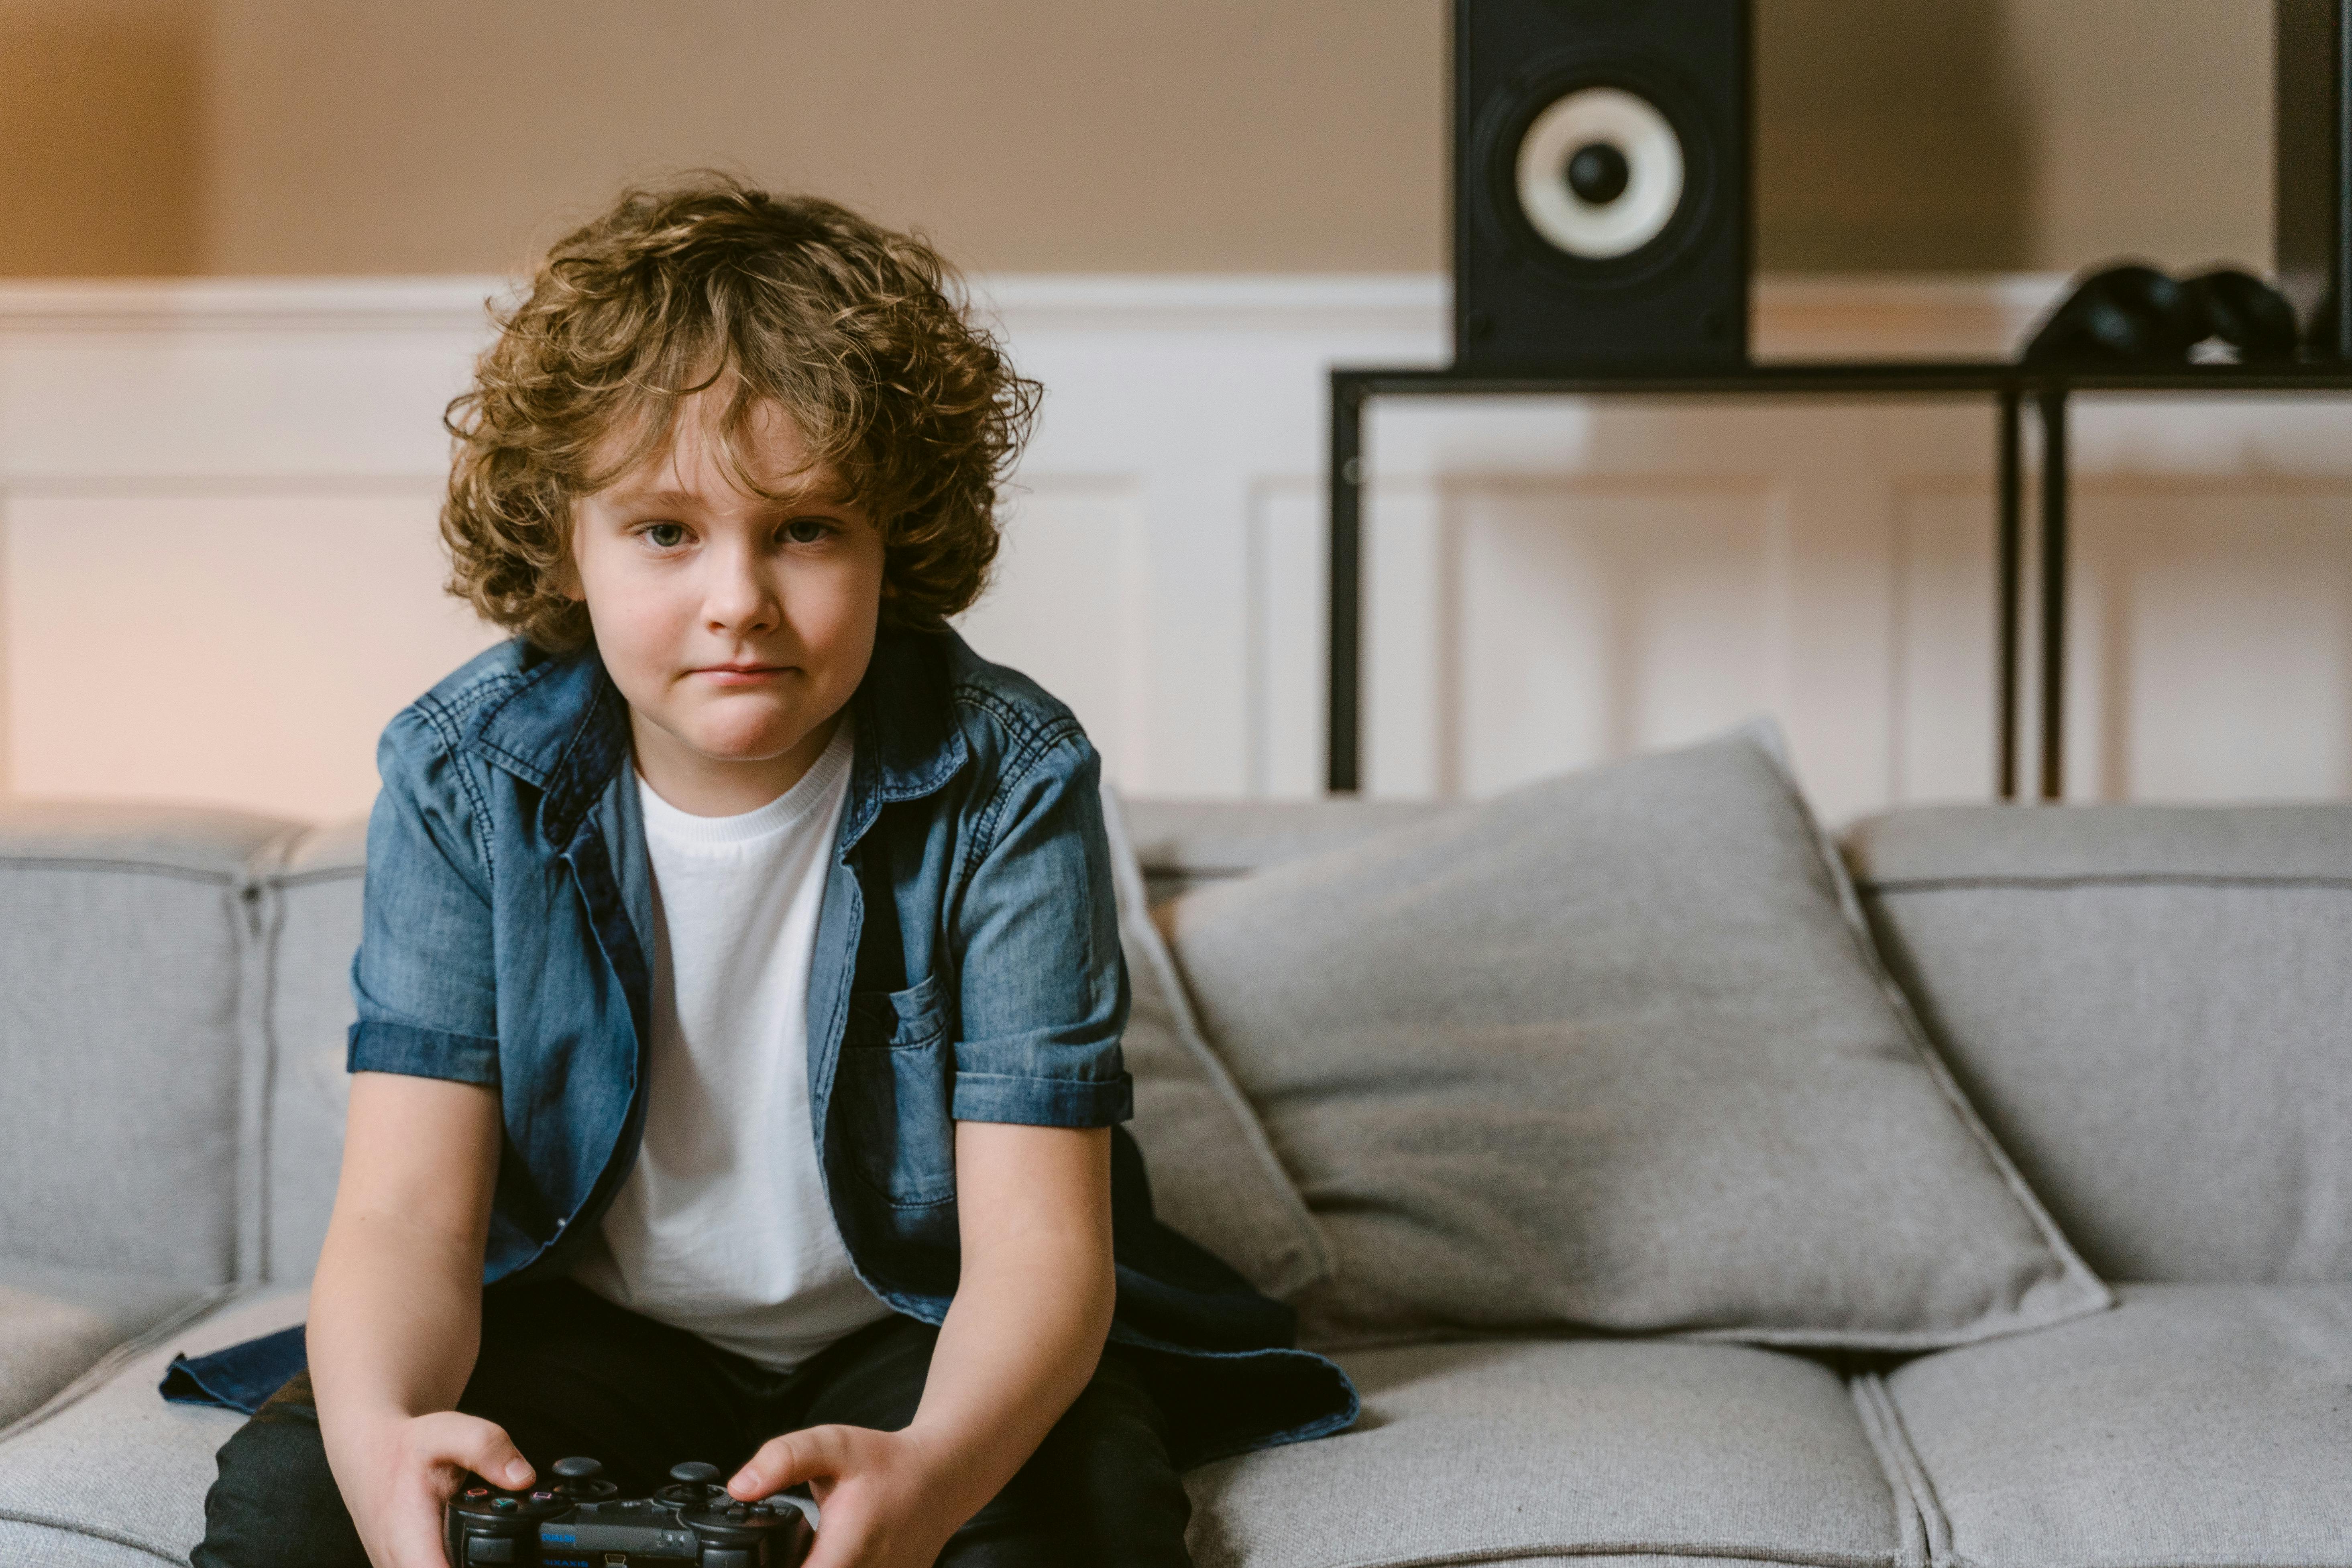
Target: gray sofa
[2151, 1009]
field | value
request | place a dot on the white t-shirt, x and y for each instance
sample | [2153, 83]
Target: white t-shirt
[722, 1227]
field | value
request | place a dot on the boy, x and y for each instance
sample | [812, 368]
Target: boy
[740, 993]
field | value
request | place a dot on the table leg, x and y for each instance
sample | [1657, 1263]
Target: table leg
[1343, 732]
[2009, 551]
[2053, 593]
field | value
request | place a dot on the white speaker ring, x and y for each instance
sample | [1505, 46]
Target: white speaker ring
[1600, 231]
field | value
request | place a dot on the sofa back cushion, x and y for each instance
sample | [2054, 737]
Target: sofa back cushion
[314, 898]
[1182, 844]
[1613, 1052]
[2152, 1007]
[129, 978]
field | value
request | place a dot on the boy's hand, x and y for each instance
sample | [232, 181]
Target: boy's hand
[403, 1472]
[880, 1493]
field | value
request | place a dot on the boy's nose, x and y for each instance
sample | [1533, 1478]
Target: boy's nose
[739, 600]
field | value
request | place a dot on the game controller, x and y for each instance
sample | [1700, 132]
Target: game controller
[579, 1521]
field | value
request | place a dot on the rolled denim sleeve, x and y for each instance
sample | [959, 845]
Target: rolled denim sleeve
[424, 978]
[1043, 986]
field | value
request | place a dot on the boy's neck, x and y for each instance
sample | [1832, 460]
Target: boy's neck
[703, 786]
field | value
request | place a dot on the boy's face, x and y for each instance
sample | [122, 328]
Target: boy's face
[735, 628]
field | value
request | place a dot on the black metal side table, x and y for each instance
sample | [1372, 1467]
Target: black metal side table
[2051, 389]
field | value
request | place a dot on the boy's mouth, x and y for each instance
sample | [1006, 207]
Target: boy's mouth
[739, 674]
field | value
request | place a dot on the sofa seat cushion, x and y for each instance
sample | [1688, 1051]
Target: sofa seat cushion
[118, 1477]
[1593, 1450]
[2194, 1424]
[56, 1324]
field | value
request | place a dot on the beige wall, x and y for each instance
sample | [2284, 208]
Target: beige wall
[336, 136]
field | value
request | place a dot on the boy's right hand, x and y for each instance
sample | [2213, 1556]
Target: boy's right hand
[397, 1477]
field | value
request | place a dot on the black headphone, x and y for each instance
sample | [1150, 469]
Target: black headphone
[2134, 314]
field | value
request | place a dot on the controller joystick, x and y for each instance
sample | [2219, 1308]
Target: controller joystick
[691, 1483]
[580, 1477]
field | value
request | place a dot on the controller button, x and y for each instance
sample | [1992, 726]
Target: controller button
[484, 1548]
[543, 1497]
[739, 1510]
[505, 1504]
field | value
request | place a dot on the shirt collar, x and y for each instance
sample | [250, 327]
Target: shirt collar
[563, 727]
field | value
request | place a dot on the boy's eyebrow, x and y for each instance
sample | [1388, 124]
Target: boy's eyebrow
[828, 489]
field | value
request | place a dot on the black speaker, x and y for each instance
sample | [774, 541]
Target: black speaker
[2314, 152]
[1601, 153]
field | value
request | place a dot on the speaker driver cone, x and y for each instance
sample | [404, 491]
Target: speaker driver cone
[1600, 173]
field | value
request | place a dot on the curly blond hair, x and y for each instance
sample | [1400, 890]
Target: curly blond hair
[859, 333]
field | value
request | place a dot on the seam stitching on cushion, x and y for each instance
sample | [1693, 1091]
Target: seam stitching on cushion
[77, 1527]
[269, 914]
[1936, 1524]
[1898, 1464]
[1527, 1551]
[312, 878]
[102, 1370]
[134, 868]
[256, 916]
[2063, 883]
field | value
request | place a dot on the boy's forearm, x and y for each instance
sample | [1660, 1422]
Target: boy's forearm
[396, 1306]
[1020, 1343]
[395, 1320]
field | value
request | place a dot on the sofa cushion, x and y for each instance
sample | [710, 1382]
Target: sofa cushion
[2149, 1005]
[1182, 844]
[56, 1324]
[315, 894]
[1613, 1051]
[1509, 1451]
[119, 1475]
[1214, 1177]
[127, 981]
[2195, 1424]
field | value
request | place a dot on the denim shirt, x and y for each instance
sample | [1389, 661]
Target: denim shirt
[967, 968]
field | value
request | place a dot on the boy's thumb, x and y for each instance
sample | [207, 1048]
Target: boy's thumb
[486, 1449]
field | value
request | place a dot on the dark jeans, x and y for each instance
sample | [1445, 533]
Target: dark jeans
[566, 1372]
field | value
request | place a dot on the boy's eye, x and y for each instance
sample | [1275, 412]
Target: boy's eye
[807, 529]
[666, 535]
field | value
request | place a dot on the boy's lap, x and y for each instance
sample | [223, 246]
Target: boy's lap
[276, 1499]
[566, 1373]
[1100, 1488]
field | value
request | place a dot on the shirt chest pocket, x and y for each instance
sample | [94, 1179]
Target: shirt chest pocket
[892, 1091]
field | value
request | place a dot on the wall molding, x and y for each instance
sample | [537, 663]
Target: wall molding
[1810, 316]
[234, 482]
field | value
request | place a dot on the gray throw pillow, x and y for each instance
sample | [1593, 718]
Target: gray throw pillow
[1214, 1177]
[1614, 1053]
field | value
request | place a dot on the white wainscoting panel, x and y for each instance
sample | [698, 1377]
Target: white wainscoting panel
[219, 572]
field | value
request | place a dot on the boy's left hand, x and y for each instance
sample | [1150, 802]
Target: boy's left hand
[879, 1494]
